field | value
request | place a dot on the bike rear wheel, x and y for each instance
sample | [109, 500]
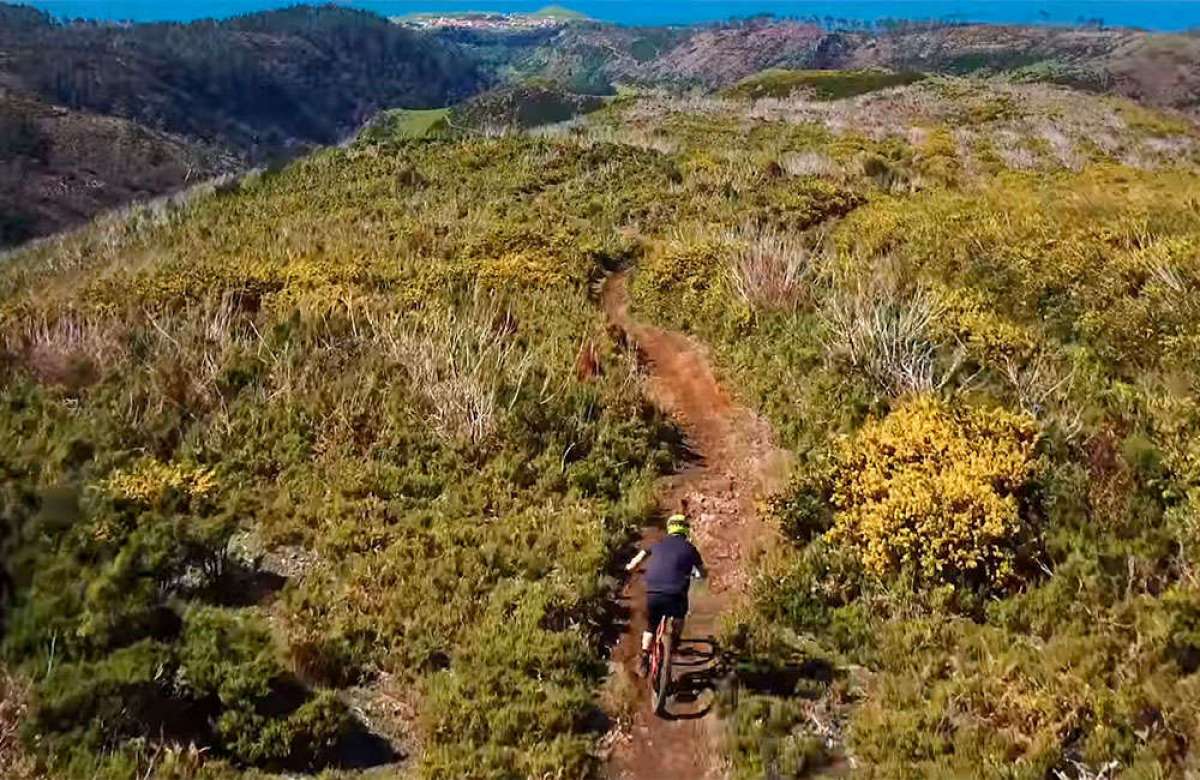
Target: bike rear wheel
[661, 679]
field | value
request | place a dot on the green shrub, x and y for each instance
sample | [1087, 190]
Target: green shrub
[770, 739]
[1059, 296]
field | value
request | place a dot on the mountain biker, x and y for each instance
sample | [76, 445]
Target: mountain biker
[673, 563]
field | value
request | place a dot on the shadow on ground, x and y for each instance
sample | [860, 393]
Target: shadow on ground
[703, 673]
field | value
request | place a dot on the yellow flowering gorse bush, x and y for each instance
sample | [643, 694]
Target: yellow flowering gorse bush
[970, 319]
[522, 268]
[933, 487]
[149, 480]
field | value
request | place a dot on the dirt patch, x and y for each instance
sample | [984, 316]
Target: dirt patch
[736, 462]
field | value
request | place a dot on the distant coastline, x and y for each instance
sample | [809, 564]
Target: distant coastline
[1170, 16]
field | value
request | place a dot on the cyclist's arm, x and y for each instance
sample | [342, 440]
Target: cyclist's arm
[699, 571]
[637, 560]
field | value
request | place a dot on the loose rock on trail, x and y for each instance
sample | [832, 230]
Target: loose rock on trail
[735, 462]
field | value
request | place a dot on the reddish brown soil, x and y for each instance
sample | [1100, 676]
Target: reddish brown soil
[736, 463]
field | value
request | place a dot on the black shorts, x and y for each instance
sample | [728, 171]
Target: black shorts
[661, 605]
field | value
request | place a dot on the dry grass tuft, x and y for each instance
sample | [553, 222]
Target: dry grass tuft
[191, 347]
[810, 164]
[620, 698]
[772, 269]
[638, 137]
[885, 337]
[458, 364]
[69, 351]
[1042, 386]
[1062, 148]
[1011, 149]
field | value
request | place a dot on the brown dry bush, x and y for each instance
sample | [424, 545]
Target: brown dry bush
[15, 763]
[70, 351]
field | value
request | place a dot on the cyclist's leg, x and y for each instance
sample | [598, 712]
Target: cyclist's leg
[656, 610]
[679, 611]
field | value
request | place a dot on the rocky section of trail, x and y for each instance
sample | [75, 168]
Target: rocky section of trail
[735, 463]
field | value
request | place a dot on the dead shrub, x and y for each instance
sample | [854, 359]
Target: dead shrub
[458, 364]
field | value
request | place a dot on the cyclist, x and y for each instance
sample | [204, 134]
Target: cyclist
[674, 561]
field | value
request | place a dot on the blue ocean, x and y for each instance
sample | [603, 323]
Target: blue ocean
[1147, 14]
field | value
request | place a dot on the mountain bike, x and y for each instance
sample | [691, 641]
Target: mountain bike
[660, 663]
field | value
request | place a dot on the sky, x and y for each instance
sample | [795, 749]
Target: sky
[1149, 14]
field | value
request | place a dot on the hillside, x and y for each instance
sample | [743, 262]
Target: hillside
[336, 468]
[256, 83]
[123, 112]
[207, 97]
[521, 107]
[1155, 69]
[60, 167]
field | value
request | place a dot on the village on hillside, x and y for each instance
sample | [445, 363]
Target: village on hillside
[549, 18]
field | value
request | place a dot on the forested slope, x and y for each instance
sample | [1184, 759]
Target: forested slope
[96, 115]
[254, 83]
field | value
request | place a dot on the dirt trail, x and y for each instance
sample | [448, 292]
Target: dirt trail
[736, 462]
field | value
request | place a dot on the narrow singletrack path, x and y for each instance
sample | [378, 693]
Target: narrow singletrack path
[736, 463]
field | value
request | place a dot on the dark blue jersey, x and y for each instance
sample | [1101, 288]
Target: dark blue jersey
[671, 564]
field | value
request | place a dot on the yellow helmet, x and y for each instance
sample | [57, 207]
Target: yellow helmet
[678, 525]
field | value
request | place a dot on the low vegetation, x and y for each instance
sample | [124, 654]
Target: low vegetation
[985, 376]
[820, 84]
[366, 364]
[407, 123]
